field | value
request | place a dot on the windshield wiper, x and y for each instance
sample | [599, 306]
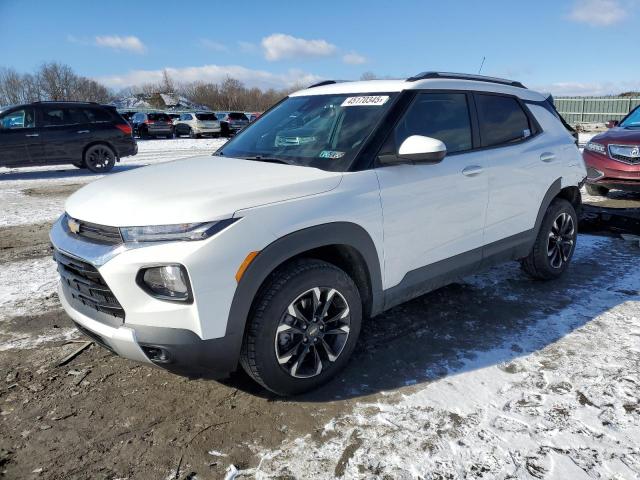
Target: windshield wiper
[259, 158]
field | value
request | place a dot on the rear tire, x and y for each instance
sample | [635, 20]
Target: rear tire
[555, 243]
[291, 354]
[224, 130]
[596, 190]
[99, 158]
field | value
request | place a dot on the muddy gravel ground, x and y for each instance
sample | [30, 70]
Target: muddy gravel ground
[99, 416]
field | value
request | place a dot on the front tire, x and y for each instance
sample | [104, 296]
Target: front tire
[596, 190]
[303, 327]
[555, 243]
[99, 158]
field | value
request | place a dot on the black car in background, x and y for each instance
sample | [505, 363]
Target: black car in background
[85, 134]
[152, 124]
[231, 122]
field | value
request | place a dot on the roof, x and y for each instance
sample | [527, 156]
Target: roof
[388, 86]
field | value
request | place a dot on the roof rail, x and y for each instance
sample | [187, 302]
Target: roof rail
[65, 101]
[464, 76]
[324, 82]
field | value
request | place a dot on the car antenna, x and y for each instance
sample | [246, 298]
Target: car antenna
[481, 65]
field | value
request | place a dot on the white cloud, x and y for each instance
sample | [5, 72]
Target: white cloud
[213, 73]
[280, 46]
[598, 13]
[353, 58]
[130, 43]
[560, 89]
[213, 45]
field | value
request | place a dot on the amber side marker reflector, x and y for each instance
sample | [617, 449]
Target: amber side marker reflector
[245, 264]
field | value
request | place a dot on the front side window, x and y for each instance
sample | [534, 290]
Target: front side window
[502, 120]
[322, 131]
[17, 119]
[632, 120]
[444, 116]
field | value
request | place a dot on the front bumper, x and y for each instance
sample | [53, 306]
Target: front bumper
[167, 334]
[610, 173]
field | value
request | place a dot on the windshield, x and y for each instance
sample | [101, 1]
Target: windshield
[206, 116]
[632, 120]
[322, 131]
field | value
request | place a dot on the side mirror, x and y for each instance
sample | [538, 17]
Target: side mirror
[417, 148]
[612, 123]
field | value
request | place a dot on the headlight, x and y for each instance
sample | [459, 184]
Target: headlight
[166, 282]
[596, 147]
[179, 232]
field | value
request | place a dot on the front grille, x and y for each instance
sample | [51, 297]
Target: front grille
[96, 233]
[87, 289]
[629, 154]
[625, 159]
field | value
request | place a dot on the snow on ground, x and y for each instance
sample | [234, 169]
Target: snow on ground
[37, 194]
[564, 405]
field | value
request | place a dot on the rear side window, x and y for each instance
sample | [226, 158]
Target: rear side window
[444, 116]
[58, 116]
[187, 116]
[502, 120]
[96, 115]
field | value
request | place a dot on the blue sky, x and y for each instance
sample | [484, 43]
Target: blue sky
[563, 46]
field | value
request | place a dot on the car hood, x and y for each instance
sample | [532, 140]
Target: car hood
[626, 136]
[196, 189]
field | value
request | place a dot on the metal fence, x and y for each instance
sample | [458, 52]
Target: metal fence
[594, 109]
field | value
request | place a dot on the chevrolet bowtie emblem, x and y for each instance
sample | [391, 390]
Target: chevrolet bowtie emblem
[74, 225]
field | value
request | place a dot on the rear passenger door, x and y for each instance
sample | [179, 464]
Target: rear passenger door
[433, 212]
[63, 134]
[517, 182]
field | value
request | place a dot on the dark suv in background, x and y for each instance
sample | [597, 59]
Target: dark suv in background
[152, 125]
[87, 135]
[231, 122]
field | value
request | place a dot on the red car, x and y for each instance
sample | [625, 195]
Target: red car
[613, 157]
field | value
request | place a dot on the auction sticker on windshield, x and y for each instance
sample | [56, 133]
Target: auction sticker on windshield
[365, 101]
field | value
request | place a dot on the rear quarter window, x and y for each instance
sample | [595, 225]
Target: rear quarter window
[96, 115]
[502, 120]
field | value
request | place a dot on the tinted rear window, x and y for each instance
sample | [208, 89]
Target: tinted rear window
[237, 116]
[162, 117]
[502, 120]
[206, 116]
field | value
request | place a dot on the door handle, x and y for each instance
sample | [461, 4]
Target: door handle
[472, 170]
[82, 131]
[32, 135]
[547, 157]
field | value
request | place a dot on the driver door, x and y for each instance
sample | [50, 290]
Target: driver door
[434, 214]
[17, 134]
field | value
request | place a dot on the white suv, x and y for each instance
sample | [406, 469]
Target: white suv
[196, 124]
[342, 201]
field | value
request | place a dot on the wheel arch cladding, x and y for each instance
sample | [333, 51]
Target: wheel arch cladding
[344, 244]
